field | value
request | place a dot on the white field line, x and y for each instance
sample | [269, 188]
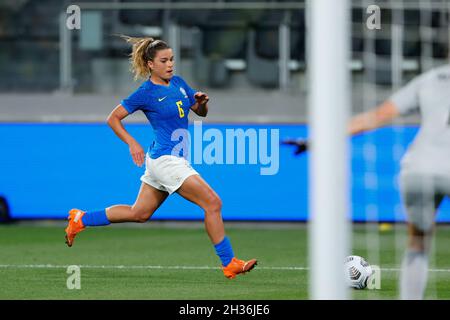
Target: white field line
[53, 266]
[125, 267]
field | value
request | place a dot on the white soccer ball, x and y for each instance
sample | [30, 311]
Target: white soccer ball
[357, 271]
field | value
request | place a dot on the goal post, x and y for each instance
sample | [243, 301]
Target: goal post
[329, 105]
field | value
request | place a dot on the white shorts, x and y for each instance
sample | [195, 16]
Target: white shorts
[166, 173]
[422, 195]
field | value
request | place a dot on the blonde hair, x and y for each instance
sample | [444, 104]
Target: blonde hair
[144, 50]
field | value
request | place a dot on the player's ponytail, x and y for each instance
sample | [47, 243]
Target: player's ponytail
[144, 50]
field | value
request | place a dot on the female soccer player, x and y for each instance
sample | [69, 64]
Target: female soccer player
[166, 100]
[425, 168]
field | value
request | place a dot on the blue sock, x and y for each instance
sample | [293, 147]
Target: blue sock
[224, 251]
[95, 218]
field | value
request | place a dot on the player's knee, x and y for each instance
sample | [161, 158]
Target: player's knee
[418, 238]
[417, 244]
[423, 224]
[141, 219]
[214, 204]
[142, 216]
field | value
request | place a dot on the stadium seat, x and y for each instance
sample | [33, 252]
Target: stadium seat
[222, 36]
[411, 48]
[226, 43]
[226, 30]
[209, 71]
[411, 17]
[33, 19]
[439, 19]
[212, 47]
[190, 18]
[267, 42]
[411, 33]
[440, 49]
[225, 33]
[141, 17]
[263, 45]
[267, 35]
[358, 15]
[261, 71]
[383, 71]
[358, 23]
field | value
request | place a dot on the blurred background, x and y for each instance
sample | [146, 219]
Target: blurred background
[58, 86]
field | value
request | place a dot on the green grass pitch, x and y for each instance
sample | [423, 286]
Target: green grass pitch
[163, 261]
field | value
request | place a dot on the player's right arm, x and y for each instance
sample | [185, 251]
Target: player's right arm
[402, 102]
[114, 120]
[360, 123]
[373, 119]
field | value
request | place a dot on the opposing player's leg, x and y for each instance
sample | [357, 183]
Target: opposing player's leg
[148, 200]
[196, 190]
[414, 271]
[421, 200]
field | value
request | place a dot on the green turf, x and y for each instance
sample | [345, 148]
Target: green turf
[22, 246]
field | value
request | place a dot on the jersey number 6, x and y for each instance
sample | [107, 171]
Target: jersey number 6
[180, 109]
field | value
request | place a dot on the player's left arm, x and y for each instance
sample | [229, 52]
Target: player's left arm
[200, 107]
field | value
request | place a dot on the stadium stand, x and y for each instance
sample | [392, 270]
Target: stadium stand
[232, 49]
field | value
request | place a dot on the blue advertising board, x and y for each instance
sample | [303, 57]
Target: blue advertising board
[47, 169]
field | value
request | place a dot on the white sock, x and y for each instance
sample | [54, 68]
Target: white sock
[414, 275]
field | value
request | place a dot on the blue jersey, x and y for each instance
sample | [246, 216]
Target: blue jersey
[167, 109]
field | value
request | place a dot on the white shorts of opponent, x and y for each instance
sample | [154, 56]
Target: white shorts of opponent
[166, 173]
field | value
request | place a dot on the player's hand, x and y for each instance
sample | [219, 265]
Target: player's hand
[201, 97]
[301, 145]
[137, 153]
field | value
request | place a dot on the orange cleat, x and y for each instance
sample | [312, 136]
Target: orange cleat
[237, 266]
[74, 226]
